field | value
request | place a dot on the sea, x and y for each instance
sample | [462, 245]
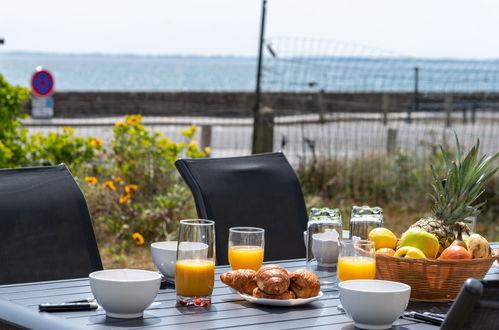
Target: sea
[101, 72]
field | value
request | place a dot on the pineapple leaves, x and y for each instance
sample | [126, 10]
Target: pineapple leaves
[463, 183]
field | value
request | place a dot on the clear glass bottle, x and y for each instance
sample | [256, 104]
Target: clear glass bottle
[324, 234]
[364, 219]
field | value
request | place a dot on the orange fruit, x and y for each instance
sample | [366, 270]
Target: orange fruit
[386, 251]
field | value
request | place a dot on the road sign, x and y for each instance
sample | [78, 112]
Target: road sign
[42, 82]
[42, 107]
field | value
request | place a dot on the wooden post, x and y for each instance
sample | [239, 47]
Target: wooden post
[322, 105]
[385, 107]
[391, 141]
[205, 136]
[448, 110]
[264, 131]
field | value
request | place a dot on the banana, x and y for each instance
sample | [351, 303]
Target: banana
[478, 246]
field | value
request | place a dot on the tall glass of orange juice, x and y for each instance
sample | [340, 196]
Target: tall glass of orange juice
[246, 247]
[195, 266]
[357, 260]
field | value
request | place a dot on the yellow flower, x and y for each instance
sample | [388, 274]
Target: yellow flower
[189, 132]
[124, 198]
[119, 124]
[134, 120]
[131, 188]
[207, 150]
[138, 238]
[109, 185]
[193, 144]
[96, 142]
[67, 129]
[91, 179]
[118, 179]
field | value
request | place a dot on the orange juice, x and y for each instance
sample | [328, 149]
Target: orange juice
[245, 257]
[194, 277]
[356, 268]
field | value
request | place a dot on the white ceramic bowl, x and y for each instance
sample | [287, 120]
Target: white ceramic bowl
[374, 304]
[164, 255]
[125, 293]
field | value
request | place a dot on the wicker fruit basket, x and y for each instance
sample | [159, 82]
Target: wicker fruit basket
[431, 280]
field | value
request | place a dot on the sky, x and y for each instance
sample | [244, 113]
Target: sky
[420, 28]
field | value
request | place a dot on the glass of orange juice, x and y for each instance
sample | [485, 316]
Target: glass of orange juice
[246, 246]
[195, 266]
[357, 260]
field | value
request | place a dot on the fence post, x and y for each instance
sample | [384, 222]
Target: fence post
[205, 136]
[473, 112]
[391, 141]
[448, 110]
[263, 131]
[322, 105]
[385, 107]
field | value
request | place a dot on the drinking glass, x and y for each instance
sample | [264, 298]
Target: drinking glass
[357, 260]
[246, 247]
[364, 219]
[324, 234]
[195, 266]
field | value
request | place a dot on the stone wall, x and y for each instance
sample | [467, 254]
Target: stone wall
[240, 104]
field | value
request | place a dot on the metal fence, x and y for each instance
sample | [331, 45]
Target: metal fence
[341, 100]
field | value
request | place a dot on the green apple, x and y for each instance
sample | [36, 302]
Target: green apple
[409, 252]
[423, 240]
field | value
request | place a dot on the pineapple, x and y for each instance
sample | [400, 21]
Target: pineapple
[455, 195]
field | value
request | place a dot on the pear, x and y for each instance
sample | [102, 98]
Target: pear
[478, 246]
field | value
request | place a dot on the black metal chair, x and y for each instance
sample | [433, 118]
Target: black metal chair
[476, 306]
[259, 190]
[46, 230]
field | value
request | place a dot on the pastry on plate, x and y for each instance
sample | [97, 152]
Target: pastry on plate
[272, 279]
[304, 283]
[257, 293]
[242, 280]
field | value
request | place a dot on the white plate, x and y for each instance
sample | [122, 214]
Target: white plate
[280, 302]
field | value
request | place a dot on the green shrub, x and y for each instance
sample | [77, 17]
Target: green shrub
[12, 134]
[55, 148]
[136, 191]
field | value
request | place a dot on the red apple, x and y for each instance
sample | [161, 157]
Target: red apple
[455, 252]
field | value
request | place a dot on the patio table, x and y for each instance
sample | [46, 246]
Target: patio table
[19, 306]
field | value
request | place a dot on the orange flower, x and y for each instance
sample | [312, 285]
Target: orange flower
[96, 142]
[133, 120]
[124, 198]
[118, 179]
[131, 188]
[138, 238]
[91, 179]
[119, 124]
[109, 185]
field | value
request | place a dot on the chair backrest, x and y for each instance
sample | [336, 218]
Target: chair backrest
[259, 191]
[476, 306]
[45, 229]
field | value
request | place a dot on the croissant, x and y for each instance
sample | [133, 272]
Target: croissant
[242, 280]
[257, 293]
[304, 283]
[272, 279]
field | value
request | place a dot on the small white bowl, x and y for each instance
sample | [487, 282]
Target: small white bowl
[374, 304]
[164, 255]
[125, 293]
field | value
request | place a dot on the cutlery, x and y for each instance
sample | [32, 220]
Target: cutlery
[77, 305]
